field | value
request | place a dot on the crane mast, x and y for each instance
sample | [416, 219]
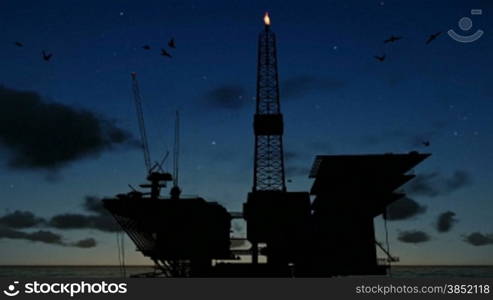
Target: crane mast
[140, 118]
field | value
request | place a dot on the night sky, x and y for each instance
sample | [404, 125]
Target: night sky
[69, 135]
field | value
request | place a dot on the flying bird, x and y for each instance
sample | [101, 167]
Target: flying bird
[380, 58]
[19, 44]
[172, 43]
[165, 53]
[432, 37]
[392, 39]
[47, 56]
[146, 47]
[426, 143]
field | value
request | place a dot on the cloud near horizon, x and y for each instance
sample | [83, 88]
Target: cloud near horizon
[99, 219]
[404, 209]
[21, 219]
[44, 236]
[479, 239]
[414, 236]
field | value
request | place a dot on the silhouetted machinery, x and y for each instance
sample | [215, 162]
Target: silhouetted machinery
[181, 236]
[328, 231]
[350, 191]
[330, 236]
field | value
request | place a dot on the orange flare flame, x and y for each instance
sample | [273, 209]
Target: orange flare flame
[266, 19]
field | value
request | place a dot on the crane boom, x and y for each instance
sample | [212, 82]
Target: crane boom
[140, 118]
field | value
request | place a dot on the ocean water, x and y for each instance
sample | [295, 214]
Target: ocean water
[71, 271]
[116, 272]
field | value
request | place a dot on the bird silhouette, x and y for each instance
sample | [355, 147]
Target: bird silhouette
[172, 43]
[380, 58]
[392, 39]
[432, 37]
[47, 56]
[146, 47]
[165, 53]
[426, 143]
[19, 44]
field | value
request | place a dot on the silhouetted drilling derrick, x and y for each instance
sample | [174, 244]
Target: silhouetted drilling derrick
[273, 215]
[268, 123]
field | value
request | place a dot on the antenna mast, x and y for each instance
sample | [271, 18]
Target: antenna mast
[176, 150]
[175, 190]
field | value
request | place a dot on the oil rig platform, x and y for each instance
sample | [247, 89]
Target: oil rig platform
[326, 231]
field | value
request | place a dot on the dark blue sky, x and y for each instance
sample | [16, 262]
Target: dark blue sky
[336, 99]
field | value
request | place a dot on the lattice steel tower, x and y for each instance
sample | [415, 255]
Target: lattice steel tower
[268, 122]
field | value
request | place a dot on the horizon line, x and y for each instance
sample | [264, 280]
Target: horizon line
[105, 265]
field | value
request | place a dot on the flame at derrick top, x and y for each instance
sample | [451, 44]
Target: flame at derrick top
[266, 19]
